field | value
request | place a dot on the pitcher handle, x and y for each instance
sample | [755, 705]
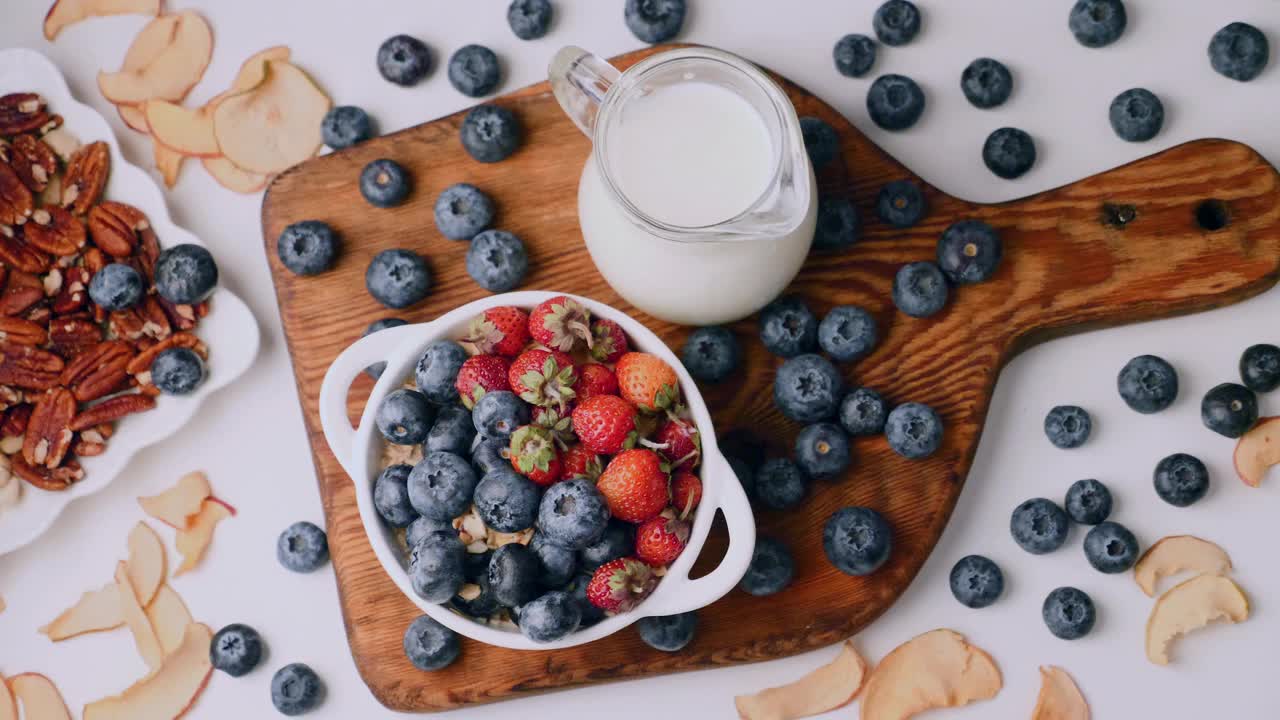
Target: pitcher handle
[580, 82]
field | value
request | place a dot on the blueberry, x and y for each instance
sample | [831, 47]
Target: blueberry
[854, 54]
[490, 133]
[177, 371]
[559, 563]
[900, 203]
[296, 689]
[711, 354]
[302, 547]
[1181, 479]
[654, 21]
[1009, 152]
[986, 83]
[116, 287]
[1239, 51]
[807, 388]
[497, 414]
[514, 571]
[787, 327]
[1229, 409]
[895, 102]
[863, 412]
[780, 484]
[1039, 526]
[507, 501]
[1096, 23]
[404, 60]
[430, 645]
[1069, 613]
[437, 566]
[920, 289]
[857, 540]
[398, 278]
[550, 617]
[896, 22]
[404, 417]
[491, 454]
[618, 540]
[1088, 502]
[391, 496]
[484, 605]
[344, 126]
[475, 566]
[375, 370]
[771, 569]
[1110, 548]
[1136, 115]
[452, 431]
[497, 260]
[976, 581]
[969, 251]
[236, 650]
[308, 247]
[668, 633]
[1067, 426]
[384, 183]
[1260, 368]
[578, 590]
[185, 274]
[441, 486]
[474, 71]
[437, 370]
[422, 526]
[822, 450]
[462, 211]
[838, 224]
[914, 430]
[573, 513]
[1148, 384]
[529, 19]
[847, 333]
[821, 141]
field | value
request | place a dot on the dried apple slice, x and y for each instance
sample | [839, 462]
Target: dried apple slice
[1060, 697]
[100, 609]
[831, 686]
[254, 69]
[933, 670]
[150, 41]
[1258, 451]
[171, 73]
[175, 506]
[276, 124]
[1202, 600]
[133, 118]
[168, 162]
[187, 131]
[226, 174]
[39, 697]
[194, 540]
[144, 637]
[167, 693]
[1175, 554]
[169, 618]
[66, 12]
[8, 705]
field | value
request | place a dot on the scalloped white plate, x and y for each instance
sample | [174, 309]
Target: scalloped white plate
[230, 329]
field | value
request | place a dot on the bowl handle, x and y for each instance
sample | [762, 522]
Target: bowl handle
[683, 594]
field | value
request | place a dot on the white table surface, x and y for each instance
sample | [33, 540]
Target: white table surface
[250, 437]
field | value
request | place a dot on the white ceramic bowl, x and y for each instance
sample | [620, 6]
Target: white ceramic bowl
[359, 451]
[229, 329]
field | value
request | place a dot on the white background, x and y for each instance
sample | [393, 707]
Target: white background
[250, 437]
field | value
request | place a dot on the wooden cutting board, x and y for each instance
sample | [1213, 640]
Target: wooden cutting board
[1193, 228]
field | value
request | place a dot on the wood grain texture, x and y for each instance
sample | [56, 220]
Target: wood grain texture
[1119, 247]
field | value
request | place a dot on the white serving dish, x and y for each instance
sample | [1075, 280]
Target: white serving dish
[230, 329]
[359, 451]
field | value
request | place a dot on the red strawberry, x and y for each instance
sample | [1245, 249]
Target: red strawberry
[610, 343]
[634, 485]
[578, 461]
[478, 375]
[686, 492]
[560, 423]
[559, 323]
[534, 455]
[595, 379]
[543, 377]
[679, 443]
[647, 381]
[606, 424]
[619, 585]
[499, 331]
[660, 540]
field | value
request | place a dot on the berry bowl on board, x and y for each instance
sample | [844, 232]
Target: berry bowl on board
[361, 452]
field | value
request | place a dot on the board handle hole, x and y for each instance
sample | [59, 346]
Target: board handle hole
[1212, 215]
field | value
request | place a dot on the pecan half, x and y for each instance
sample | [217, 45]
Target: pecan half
[18, 331]
[17, 300]
[85, 177]
[115, 227]
[55, 231]
[111, 409]
[22, 112]
[94, 260]
[142, 362]
[54, 480]
[126, 324]
[70, 336]
[29, 368]
[84, 446]
[182, 317]
[33, 161]
[9, 396]
[74, 292]
[16, 253]
[148, 251]
[15, 420]
[49, 433]
[98, 371]
[39, 315]
[16, 201]
[155, 318]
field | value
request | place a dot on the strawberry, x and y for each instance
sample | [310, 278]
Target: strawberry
[595, 379]
[686, 491]
[543, 377]
[660, 540]
[499, 331]
[610, 343]
[534, 455]
[478, 375]
[647, 381]
[606, 424]
[634, 485]
[559, 323]
[678, 443]
[579, 461]
[619, 585]
[560, 423]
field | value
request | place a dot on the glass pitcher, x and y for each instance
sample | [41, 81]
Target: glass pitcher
[698, 201]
